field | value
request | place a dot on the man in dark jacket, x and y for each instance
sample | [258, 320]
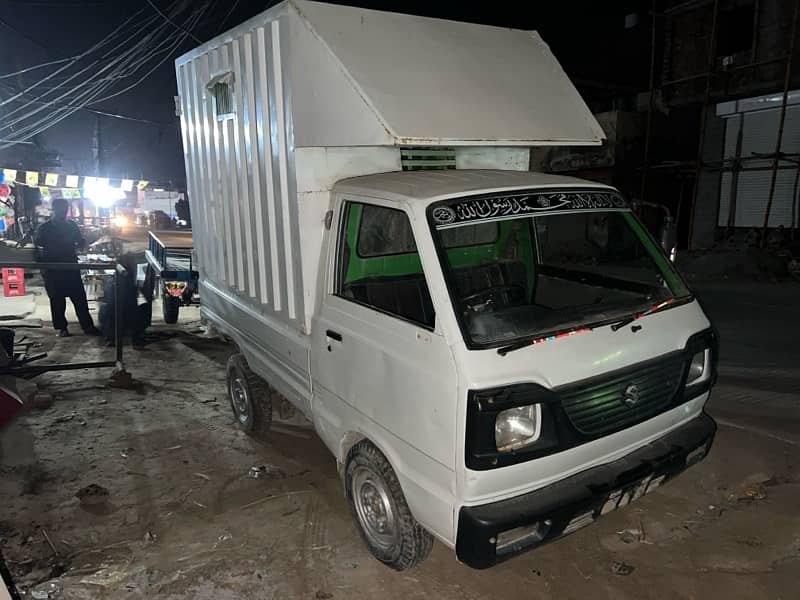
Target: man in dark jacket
[58, 239]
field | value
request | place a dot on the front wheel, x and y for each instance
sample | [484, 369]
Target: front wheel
[170, 307]
[380, 510]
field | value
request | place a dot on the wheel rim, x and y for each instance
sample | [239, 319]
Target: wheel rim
[239, 398]
[374, 507]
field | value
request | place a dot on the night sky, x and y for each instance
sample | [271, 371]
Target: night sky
[590, 39]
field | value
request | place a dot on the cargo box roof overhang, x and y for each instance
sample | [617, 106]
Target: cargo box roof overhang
[372, 78]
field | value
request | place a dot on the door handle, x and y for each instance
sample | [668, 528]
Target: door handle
[332, 335]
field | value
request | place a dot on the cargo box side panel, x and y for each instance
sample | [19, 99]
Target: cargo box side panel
[277, 354]
[237, 129]
[236, 120]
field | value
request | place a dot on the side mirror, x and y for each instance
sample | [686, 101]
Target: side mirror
[668, 238]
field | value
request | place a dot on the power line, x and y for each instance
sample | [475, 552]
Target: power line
[173, 23]
[127, 117]
[93, 64]
[227, 16]
[96, 46]
[121, 59]
[112, 115]
[34, 67]
[82, 93]
[131, 60]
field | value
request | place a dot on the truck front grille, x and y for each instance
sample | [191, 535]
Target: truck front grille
[612, 402]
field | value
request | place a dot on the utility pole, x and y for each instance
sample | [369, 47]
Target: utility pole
[97, 148]
[97, 158]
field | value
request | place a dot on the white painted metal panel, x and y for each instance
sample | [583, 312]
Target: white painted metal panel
[255, 155]
[220, 196]
[432, 81]
[199, 179]
[245, 175]
[209, 196]
[330, 109]
[265, 111]
[282, 151]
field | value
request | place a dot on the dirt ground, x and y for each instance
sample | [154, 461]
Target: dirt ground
[183, 519]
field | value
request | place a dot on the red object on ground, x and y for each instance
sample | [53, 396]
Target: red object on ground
[10, 405]
[13, 282]
[5, 191]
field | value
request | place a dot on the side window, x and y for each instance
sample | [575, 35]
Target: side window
[383, 232]
[378, 264]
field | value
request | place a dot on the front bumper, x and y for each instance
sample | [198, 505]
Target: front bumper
[570, 503]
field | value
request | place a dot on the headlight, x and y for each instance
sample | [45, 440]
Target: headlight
[517, 427]
[699, 368]
[509, 425]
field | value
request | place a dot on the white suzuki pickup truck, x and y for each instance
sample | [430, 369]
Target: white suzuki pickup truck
[495, 357]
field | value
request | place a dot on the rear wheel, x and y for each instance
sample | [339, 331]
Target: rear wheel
[170, 307]
[380, 510]
[250, 396]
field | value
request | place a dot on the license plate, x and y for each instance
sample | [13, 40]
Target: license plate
[624, 496]
[616, 499]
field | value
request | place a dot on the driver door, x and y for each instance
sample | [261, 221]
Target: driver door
[378, 361]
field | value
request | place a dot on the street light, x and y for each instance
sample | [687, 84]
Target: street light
[102, 194]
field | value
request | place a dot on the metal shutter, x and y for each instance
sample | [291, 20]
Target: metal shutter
[759, 136]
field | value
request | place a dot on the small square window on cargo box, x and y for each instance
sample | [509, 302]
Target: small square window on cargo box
[221, 88]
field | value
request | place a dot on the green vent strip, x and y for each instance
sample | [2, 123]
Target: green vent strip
[422, 158]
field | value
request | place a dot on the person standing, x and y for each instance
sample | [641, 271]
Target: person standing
[58, 239]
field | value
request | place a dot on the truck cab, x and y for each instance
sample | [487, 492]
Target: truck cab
[516, 345]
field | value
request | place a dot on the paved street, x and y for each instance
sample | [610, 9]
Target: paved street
[759, 327]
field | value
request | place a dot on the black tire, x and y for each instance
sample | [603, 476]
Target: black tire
[170, 307]
[410, 544]
[250, 397]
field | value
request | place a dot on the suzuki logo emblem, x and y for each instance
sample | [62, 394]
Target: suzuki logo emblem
[631, 395]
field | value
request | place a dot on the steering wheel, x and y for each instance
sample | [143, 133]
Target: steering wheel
[489, 294]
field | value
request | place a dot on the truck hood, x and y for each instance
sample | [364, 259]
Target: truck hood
[573, 358]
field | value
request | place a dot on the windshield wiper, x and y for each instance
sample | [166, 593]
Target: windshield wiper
[653, 309]
[616, 325]
[626, 321]
[503, 350]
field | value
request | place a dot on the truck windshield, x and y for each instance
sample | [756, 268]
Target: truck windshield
[539, 264]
